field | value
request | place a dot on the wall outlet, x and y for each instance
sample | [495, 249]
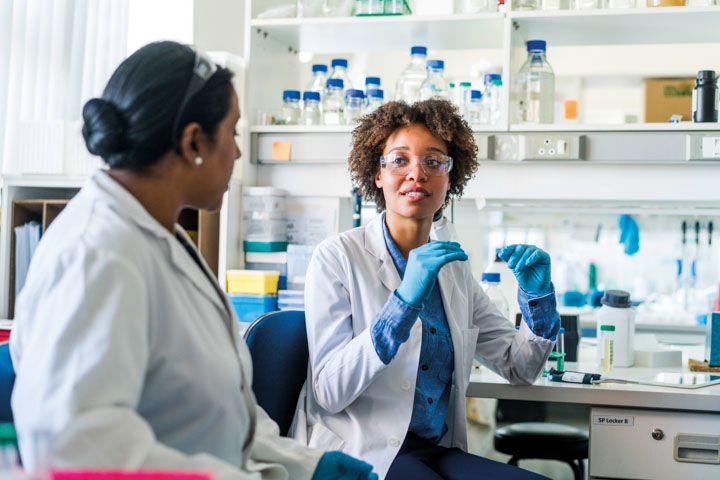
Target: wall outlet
[700, 146]
[551, 147]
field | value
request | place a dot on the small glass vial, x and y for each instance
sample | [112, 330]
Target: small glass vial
[290, 112]
[560, 350]
[501, 8]
[333, 103]
[605, 347]
[372, 83]
[311, 113]
[476, 109]
[375, 98]
[463, 99]
[354, 106]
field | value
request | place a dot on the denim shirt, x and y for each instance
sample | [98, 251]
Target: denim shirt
[434, 375]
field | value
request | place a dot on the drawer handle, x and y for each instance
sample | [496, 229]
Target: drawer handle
[694, 448]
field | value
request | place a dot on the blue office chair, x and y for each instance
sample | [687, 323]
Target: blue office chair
[278, 346]
[7, 381]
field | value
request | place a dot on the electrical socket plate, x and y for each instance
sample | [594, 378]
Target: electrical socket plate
[485, 145]
[701, 146]
[551, 147]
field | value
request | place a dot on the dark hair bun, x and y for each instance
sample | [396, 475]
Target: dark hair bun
[103, 128]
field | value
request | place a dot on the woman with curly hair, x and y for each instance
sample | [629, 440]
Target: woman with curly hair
[383, 386]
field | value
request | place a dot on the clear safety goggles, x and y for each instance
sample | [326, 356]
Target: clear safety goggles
[203, 69]
[432, 164]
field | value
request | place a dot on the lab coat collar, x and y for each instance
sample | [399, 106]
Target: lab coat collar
[387, 273]
[375, 245]
[127, 206]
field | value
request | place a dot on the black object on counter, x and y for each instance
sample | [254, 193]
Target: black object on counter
[705, 97]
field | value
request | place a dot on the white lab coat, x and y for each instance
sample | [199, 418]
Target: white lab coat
[363, 407]
[128, 354]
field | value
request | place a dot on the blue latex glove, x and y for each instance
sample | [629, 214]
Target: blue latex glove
[531, 267]
[338, 466]
[629, 234]
[422, 269]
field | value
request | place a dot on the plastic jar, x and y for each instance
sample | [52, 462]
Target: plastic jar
[617, 311]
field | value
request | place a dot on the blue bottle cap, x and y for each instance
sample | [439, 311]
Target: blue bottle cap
[372, 80]
[435, 64]
[475, 94]
[353, 93]
[319, 67]
[339, 62]
[418, 50]
[291, 95]
[561, 331]
[536, 45]
[335, 82]
[375, 93]
[311, 96]
[490, 277]
[492, 77]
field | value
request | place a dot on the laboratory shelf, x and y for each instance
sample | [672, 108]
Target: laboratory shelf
[274, 129]
[620, 26]
[625, 127]
[348, 34]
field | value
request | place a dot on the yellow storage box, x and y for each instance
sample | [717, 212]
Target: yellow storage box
[260, 282]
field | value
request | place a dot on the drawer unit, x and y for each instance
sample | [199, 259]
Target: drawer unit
[654, 444]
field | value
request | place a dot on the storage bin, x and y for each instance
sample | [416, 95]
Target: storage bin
[266, 229]
[265, 246]
[261, 282]
[291, 300]
[263, 199]
[249, 307]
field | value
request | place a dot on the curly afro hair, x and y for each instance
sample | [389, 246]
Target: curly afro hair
[440, 117]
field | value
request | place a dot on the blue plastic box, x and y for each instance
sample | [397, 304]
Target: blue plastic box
[248, 307]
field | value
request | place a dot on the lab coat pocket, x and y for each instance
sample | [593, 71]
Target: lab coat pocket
[469, 336]
[324, 438]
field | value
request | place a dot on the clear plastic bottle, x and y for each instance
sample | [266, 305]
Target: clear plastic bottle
[354, 106]
[536, 86]
[491, 97]
[339, 70]
[508, 284]
[319, 79]
[554, 4]
[310, 8]
[475, 110]
[311, 112]
[333, 105]
[337, 8]
[290, 112]
[491, 285]
[605, 348]
[584, 4]
[621, 3]
[375, 98]
[408, 85]
[526, 4]
[463, 99]
[372, 83]
[475, 6]
[434, 85]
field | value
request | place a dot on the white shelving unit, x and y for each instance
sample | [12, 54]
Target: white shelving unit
[637, 163]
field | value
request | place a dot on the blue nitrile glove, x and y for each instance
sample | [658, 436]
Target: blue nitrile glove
[629, 234]
[422, 269]
[531, 267]
[338, 466]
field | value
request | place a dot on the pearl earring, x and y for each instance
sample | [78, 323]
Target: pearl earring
[198, 161]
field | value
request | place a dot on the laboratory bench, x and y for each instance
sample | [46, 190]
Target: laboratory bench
[636, 431]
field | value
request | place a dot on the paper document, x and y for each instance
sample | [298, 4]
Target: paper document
[27, 237]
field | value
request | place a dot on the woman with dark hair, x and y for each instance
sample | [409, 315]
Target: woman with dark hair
[385, 387]
[126, 350]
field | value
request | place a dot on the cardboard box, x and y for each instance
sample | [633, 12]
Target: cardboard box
[668, 96]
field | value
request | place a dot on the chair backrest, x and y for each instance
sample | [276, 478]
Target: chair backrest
[278, 345]
[7, 381]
